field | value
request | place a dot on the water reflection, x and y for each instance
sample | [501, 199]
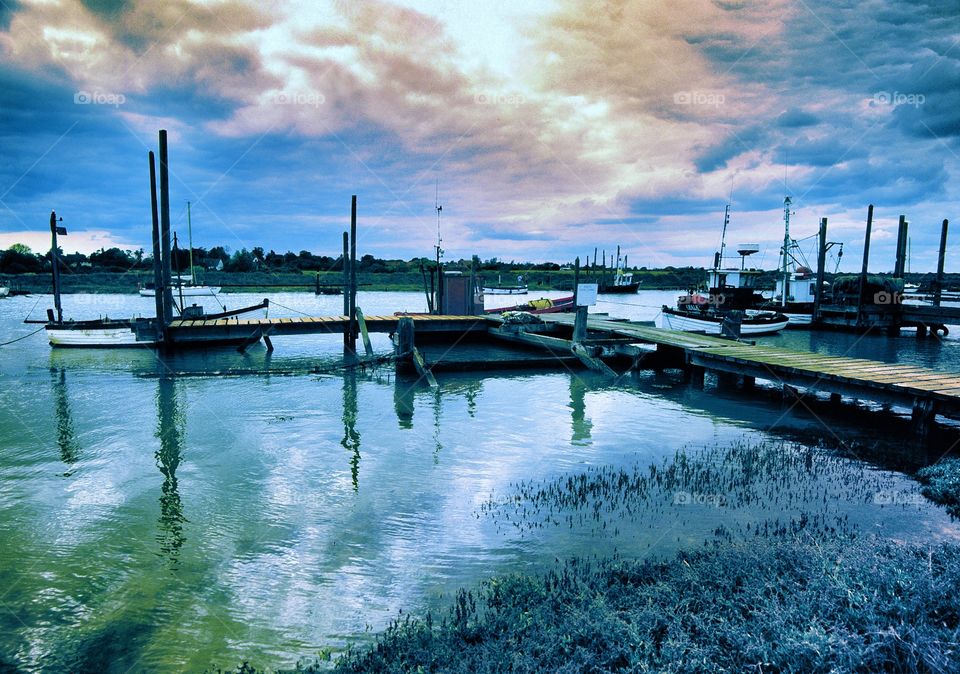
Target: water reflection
[66, 435]
[403, 401]
[351, 436]
[170, 431]
[578, 407]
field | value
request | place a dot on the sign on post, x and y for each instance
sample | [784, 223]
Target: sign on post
[586, 294]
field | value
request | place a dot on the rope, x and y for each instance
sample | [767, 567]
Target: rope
[13, 341]
[296, 311]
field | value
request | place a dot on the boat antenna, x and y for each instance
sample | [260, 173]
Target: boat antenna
[718, 262]
[785, 270]
[193, 279]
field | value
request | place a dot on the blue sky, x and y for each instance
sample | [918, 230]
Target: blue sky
[551, 126]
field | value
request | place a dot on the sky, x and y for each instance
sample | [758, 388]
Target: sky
[544, 128]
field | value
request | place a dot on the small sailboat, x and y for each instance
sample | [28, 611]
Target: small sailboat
[186, 284]
[108, 332]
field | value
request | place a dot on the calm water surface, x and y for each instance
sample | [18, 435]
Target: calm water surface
[173, 522]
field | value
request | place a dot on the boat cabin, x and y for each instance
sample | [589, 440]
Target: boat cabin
[801, 287]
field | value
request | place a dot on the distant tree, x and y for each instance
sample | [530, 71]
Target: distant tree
[15, 261]
[242, 261]
[112, 259]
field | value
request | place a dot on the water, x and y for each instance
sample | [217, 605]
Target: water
[168, 523]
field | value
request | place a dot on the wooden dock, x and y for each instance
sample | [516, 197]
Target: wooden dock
[471, 342]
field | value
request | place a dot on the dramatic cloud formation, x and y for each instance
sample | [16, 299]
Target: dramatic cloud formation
[550, 127]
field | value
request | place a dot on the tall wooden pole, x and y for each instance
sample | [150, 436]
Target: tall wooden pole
[901, 260]
[353, 272]
[866, 261]
[165, 231]
[940, 259]
[821, 268]
[346, 287]
[55, 265]
[157, 259]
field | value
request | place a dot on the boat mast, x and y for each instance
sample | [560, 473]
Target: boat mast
[439, 250]
[786, 249]
[193, 280]
[718, 262]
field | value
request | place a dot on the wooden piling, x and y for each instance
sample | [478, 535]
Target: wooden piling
[55, 266]
[901, 260]
[821, 270]
[940, 260]
[165, 230]
[866, 261]
[157, 256]
[353, 273]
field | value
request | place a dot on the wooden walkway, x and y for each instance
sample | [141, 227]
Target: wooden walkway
[924, 390]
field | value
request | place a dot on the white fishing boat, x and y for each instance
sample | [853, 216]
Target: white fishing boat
[753, 322]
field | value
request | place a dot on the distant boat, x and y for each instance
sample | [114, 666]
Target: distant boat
[185, 288]
[623, 283]
[186, 284]
[539, 306]
[500, 289]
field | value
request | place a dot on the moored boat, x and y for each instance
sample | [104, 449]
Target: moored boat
[752, 322]
[538, 306]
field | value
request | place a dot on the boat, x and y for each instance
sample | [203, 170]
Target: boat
[182, 287]
[623, 282]
[186, 284]
[751, 322]
[795, 293]
[731, 304]
[538, 306]
[108, 332]
[112, 333]
[500, 289]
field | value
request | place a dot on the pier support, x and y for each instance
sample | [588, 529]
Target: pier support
[835, 398]
[748, 382]
[695, 376]
[923, 417]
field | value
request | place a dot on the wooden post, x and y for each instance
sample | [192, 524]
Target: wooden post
[923, 417]
[368, 348]
[576, 279]
[940, 259]
[697, 375]
[55, 264]
[353, 273]
[821, 270]
[165, 230]
[901, 260]
[346, 276]
[403, 340]
[866, 260]
[580, 325]
[157, 257]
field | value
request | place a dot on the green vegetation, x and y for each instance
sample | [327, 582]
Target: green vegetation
[800, 593]
[942, 484]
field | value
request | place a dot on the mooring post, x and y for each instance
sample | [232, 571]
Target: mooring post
[353, 273]
[940, 259]
[923, 417]
[157, 258]
[901, 261]
[866, 262]
[55, 264]
[576, 279]
[346, 276]
[821, 269]
[403, 340]
[697, 375]
[165, 232]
